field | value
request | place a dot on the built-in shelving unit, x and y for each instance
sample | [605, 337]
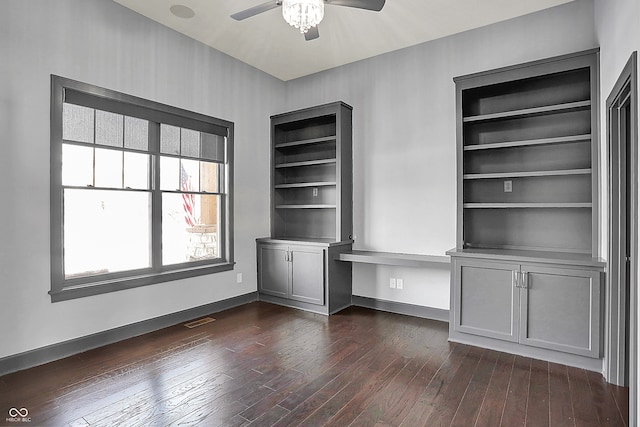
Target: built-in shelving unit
[525, 270]
[311, 173]
[527, 159]
[311, 210]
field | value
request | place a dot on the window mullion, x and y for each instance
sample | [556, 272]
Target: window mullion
[93, 183]
[156, 197]
[222, 208]
[122, 179]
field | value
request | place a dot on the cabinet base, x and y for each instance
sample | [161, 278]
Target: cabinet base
[405, 309]
[313, 308]
[577, 361]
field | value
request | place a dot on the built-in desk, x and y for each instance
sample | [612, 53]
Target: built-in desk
[402, 260]
[392, 258]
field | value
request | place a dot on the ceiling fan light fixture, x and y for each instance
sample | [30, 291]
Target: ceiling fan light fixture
[303, 14]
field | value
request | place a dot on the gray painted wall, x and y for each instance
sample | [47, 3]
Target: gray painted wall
[102, 43]
[618, 35]
[404, 137]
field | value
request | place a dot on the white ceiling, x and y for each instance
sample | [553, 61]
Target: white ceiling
[347, 35]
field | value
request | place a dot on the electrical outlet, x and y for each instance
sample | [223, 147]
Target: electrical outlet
[315, 191]
[392, 283]
[239, 278]
[508, 186]
[399, 284]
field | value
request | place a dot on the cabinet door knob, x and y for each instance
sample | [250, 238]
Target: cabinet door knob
[514, 279]
[525, 280]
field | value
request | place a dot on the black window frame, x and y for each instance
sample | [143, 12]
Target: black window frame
[88, 95]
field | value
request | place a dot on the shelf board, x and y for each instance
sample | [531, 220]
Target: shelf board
[526, 205]
[586, 171]
[329, 138]
[307, 184]
[529, 112]
[306, 163]
[308, 206]
[392, 258]
[528, 143]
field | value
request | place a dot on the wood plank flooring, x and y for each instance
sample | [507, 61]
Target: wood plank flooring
[266, 365]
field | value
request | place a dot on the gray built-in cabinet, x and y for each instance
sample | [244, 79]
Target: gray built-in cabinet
[311, 210]
[552, 307]
[525, 270]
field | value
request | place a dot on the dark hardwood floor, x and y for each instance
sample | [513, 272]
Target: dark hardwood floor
[264, 365]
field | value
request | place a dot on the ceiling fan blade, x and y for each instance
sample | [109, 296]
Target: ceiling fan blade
[375, 5]
[312, 34]
[252, 11]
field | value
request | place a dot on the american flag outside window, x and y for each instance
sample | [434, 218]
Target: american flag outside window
[188, 200]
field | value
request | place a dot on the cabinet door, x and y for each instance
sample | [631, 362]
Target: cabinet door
[486, 299]
[273, 269]
[560, 309]
[307, 274]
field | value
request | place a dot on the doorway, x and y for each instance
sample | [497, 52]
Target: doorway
[622, 138]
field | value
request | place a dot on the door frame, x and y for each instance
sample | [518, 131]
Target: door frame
[616, 294]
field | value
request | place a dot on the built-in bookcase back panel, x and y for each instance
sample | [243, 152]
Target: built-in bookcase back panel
[562, 124]
[300, 130]
[558, 157]
[551, 89]
[311, 174]
[299, 153]
[543, 229]
[537, 189]
[306, 224]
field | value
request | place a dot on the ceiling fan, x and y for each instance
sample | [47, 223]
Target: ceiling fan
[306, 14]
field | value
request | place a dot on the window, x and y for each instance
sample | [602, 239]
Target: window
[141, 192]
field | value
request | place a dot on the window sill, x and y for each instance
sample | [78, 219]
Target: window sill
[64, 293]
